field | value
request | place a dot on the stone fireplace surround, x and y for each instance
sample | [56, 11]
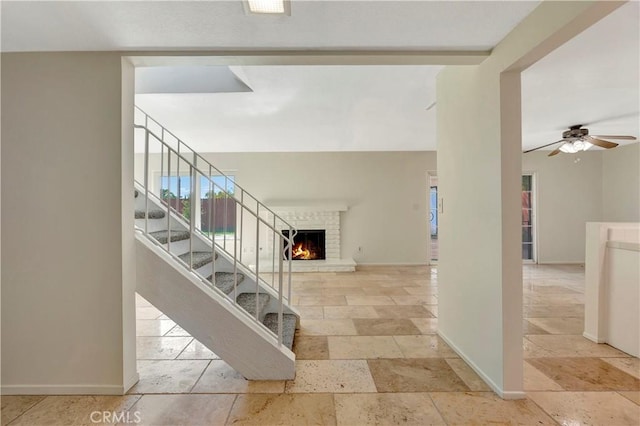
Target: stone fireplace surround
[327, 217]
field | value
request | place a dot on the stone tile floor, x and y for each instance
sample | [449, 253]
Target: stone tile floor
[368, 354]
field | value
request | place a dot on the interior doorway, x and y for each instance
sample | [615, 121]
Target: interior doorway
[433, 218]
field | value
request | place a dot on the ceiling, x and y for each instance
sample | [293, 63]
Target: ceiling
[592, 80]
[167, 25]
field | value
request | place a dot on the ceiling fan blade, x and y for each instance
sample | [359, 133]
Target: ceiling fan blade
[625, 138]
[554, 152]
[601, 143]
[543, 146]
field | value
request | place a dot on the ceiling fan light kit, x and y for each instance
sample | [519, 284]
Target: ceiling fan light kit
[577, 139]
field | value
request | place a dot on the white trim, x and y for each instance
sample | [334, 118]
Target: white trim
[562, 262]
[129, 383]
[395, 264]
[62, 390]
[497, 389]
[593, 338]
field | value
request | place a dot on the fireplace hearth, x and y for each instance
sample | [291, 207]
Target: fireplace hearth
[308, 244]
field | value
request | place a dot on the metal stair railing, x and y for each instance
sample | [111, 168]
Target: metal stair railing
[261, 250]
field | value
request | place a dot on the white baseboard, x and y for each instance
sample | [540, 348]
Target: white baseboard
[593, 338]
[62, 390]
[561, 262]
[497, 389]
[394, 264]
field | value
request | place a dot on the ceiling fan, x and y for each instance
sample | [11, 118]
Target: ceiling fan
[577, 139]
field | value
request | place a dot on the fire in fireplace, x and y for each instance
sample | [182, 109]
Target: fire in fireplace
[308, 244]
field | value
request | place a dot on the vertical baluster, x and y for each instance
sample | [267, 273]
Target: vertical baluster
[212, 215]
[168, 197]
[192, 175]
[146, 181]
[241, 220]
[226, 196]
[289, 261]
[273, 253]
[280, 308]
[257, 255]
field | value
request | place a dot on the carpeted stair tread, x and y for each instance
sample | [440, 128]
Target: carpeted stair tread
[288, 327]
[224, 281]
[248, 302]
[153, 214]
[162, 236]
[200, 258]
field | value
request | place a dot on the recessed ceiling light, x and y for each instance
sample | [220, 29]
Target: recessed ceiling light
[281, 7]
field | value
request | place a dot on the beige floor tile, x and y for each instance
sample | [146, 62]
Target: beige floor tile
[535, 380]
[283, 409]
[530, 328]
[161, 347]
[177, 331]
[385, 327]
[334, 376]
[631, 396]
[148, 312]
[184, 410]
[531, 350]
[219, 377]
[311, 347]
[196, 350]
[155, 328]
[415, 375]
[553, 311]
[468, 376]
[406, 311]
[433, 309]
[559, 325]
[311, 312]
[588, 408]
[322, 301]
[585, 374]
[415, 300]
[628, 365]
[386, 409]
[341, 312]
[75, 410]
[426, 325]
[363, 347]
[177, 376]
[369, 300]
[14, 406]
[424, 346]
[385, 291]
[327, 327]
[484, 408]
[343, 291]
[422, 291]
[574, 346]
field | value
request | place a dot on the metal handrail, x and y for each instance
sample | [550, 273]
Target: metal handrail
[196, 172]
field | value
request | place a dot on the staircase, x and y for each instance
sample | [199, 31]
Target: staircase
[205, 272]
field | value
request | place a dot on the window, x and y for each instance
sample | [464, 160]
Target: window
[527, 218]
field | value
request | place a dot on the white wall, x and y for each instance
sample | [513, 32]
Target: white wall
[568, 194]
[479, 168]
[386, 193]
[62, 265]
[621, 184]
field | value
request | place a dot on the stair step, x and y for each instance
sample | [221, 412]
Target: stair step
[153, 214]
[288, 327]
[162, 236]
[200, 258]
[248, 302]
[224, 281]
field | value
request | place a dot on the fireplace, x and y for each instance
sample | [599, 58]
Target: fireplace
[308, 244]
